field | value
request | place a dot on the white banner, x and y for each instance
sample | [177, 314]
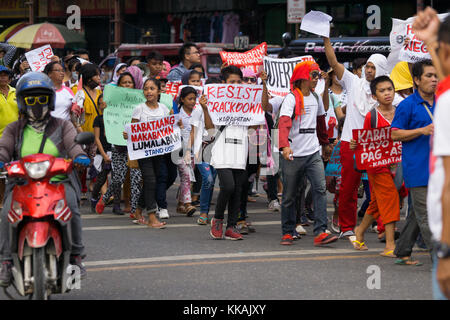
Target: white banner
[153, 138]
[235, 104]
[39, 58]
[279, 72]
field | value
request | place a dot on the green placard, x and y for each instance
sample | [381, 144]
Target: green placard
[120, 104]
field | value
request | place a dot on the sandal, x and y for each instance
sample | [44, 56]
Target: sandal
[388, 254]
[141, 221]
[360, 246]
[158, 225]
[404, 262]
[202, 221]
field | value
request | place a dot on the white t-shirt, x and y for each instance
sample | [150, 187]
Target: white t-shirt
[198, 121]
[441, 148]
[230, 150]
[276, 104]
[353, 118]
[143, 113]
[303, 136]
[63, 103]
[186, 130]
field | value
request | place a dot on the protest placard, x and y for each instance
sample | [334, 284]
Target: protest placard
[39, 58]
[172, 87]
[375, 148]
[416, 50]
[153, 138]
[120, 104]
[249, 59]
[235, 104]
[279, 72]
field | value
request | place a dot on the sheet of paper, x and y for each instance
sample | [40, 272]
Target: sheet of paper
[317, 22]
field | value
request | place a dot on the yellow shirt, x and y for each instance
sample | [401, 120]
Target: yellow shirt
[89, 110]
[9, 111]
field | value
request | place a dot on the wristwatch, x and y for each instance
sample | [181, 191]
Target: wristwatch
[443, 250]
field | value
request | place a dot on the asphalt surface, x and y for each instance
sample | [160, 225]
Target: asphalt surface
[182, 262]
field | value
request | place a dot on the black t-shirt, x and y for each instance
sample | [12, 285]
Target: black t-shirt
[98, 122]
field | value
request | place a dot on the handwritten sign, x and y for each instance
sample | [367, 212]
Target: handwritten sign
[153, 138]
[120, 104]
[376, 148]
[235, 104]
[279, 72]
[416, 50]
[249, 59]
[172, 87]
[39, 58]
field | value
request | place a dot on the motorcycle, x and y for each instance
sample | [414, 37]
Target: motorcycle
[40, 234]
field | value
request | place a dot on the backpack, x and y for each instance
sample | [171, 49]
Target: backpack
[277, 118]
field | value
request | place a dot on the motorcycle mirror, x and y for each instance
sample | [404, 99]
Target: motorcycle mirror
[85, 138]
[287, 38]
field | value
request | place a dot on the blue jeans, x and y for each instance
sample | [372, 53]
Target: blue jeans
[293, 174]
[208, 174]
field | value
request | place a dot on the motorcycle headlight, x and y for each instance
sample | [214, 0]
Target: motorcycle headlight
[37, 170]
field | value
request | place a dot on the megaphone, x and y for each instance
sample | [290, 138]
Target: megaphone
[145, 69]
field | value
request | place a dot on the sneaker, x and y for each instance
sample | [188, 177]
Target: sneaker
[232, 233]
[100, 206]
[346, 234]
[242, 228]
[117, 210]
[324, 238]
[216, 228]
[287, 240]
[327, 231]
[6, 273]
[84, 196]
[300, 230]
[296, 235]
[335, 225]
[274, 205]
[76, 261]
[93, 204]
[163, 214]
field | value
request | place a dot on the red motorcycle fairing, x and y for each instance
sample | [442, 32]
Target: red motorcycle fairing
[37, 234]
[39, 199]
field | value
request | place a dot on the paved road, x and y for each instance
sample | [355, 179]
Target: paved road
[126, 261]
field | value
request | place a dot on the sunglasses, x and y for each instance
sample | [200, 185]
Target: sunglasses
[253, 80]
[315, 75]
[31, 101]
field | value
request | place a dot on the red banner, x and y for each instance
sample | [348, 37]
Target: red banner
[375, 148]
[252, 58]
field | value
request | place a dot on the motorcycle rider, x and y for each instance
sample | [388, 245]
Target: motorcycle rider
[36, 99]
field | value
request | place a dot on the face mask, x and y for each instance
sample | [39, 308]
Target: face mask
[74, 76]
[92, 84]
[38, 117]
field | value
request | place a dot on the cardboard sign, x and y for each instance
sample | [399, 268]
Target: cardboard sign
[235, 104]
[153, 138]
[249, 59]
[39, 58]
[279, 72]
[376, 148]
[120, 104]
[172, 87]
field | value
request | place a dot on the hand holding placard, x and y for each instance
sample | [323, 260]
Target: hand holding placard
[317, 22]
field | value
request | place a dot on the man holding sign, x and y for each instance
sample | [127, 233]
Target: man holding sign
[384, 200]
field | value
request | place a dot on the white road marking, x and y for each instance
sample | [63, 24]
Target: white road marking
[301, 252]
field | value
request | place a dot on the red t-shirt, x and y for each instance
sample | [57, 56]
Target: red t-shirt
[381, 123]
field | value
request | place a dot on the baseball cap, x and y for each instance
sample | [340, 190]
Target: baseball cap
[6, 70]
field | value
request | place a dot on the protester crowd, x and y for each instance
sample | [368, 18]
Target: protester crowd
[316, 117]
